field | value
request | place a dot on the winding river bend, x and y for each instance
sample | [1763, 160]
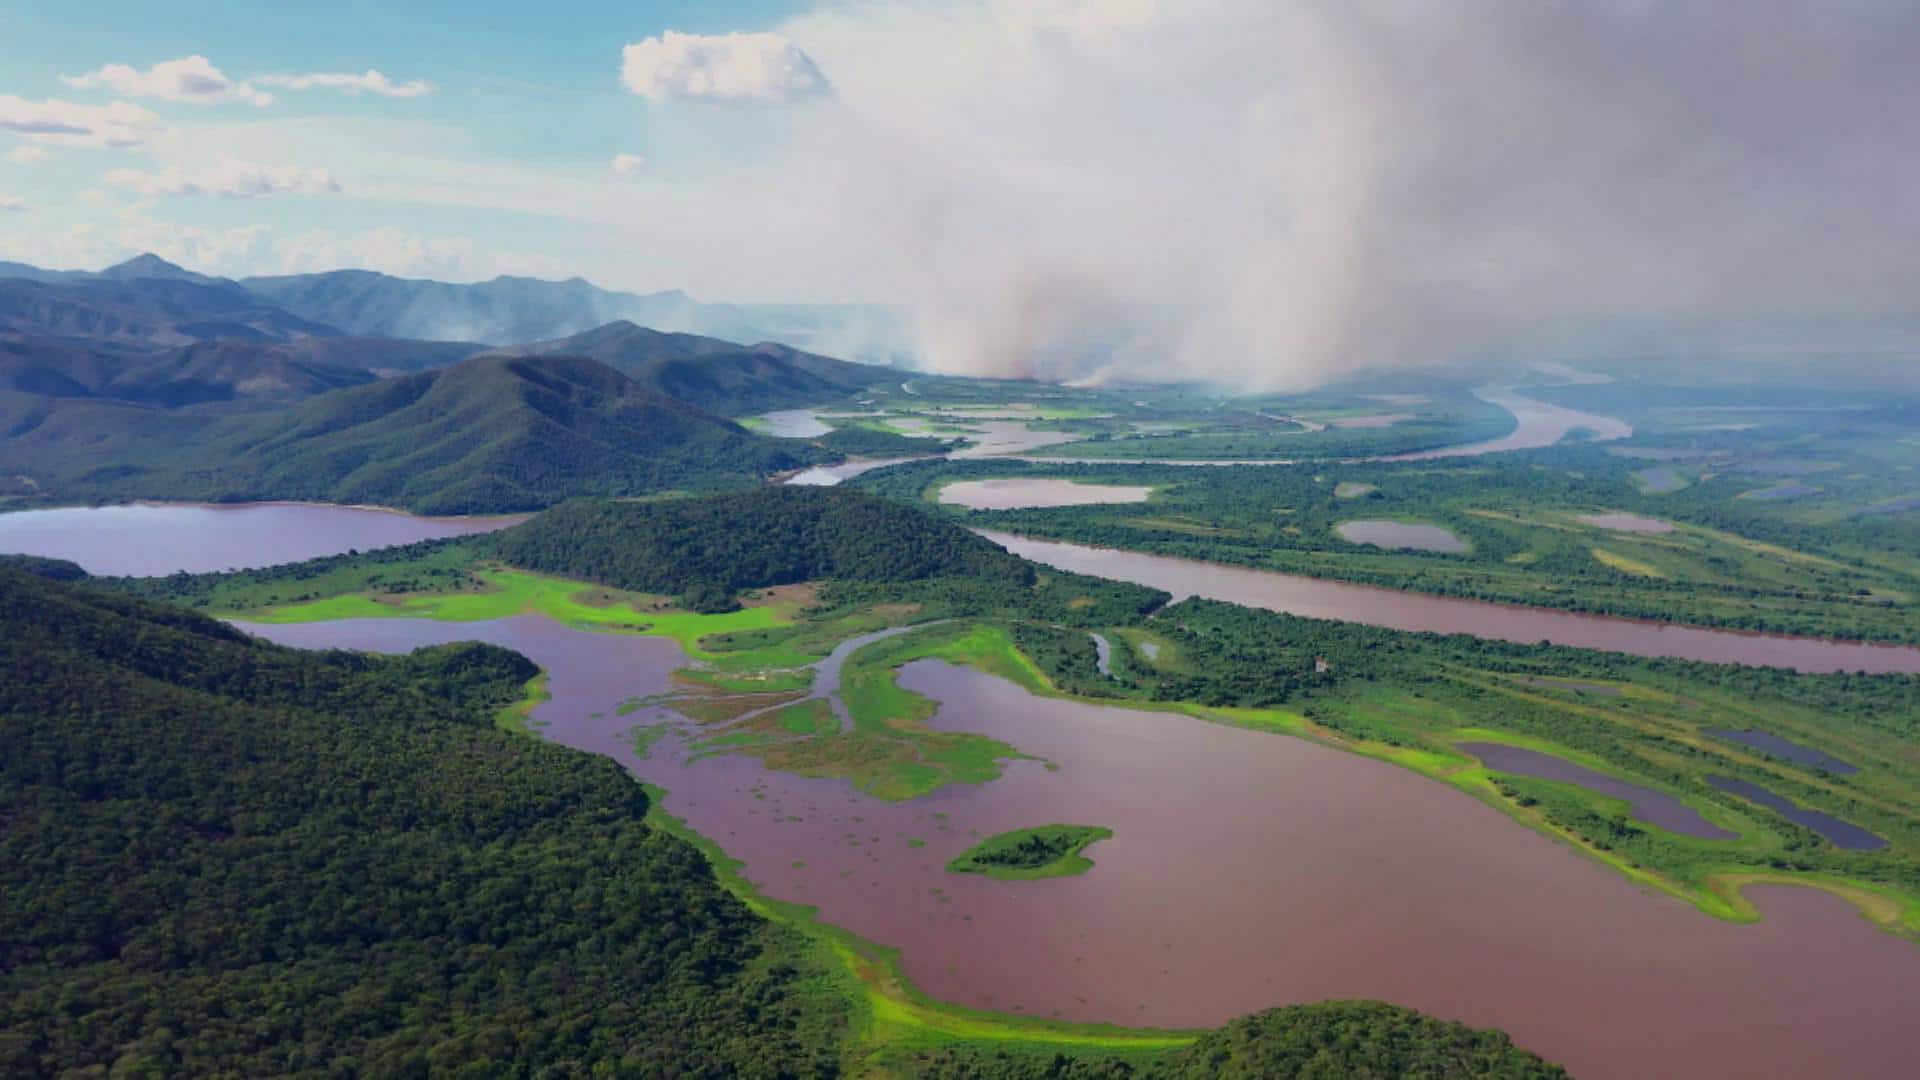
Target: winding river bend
[1247, 870]
[1394, 609]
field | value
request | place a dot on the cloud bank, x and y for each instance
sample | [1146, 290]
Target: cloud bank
[228, 178]
[726, 69]
[192, 80]
[1274, 193]
[369, 82]
[119, 126]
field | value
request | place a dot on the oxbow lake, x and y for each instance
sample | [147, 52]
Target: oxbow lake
[1262, 870]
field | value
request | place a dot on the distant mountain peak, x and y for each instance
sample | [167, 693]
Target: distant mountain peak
[149, 265]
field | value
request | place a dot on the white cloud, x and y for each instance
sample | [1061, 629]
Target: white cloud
[27, 154]
[11, 203]
[725, 68]
[192, 79]
[229, 178]
[119, 125]
[628, 164]
[371, 82]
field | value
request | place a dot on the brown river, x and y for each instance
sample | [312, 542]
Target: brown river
[1392, 608]
[1247, 870]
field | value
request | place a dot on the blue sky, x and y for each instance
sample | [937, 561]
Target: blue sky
[527, 96]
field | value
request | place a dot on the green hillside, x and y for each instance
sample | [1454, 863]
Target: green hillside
[489, 434]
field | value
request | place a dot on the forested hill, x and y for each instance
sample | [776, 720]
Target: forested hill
[225, 857]
[719, 376]
[490, 434]
[706, 550]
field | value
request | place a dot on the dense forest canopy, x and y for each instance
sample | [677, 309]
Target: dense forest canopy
[706, 550]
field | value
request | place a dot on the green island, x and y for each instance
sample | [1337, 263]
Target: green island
[1043, 851]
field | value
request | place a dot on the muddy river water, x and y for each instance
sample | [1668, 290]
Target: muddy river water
[1325, 599]
[1246, 870]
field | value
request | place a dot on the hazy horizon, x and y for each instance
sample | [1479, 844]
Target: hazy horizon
[1259, 194]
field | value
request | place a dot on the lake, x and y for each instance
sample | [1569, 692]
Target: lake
[1247, 870]
[1400, 535]
[149, 539]
[1374, 606]
[1023, 492]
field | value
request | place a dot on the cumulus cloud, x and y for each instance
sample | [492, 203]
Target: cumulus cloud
[368, 82]
[721, 68]
[1273, 193]
[628, 164]
[27, 154]
[191, 79]
[120, 125]
[227, 178]
[11, 203]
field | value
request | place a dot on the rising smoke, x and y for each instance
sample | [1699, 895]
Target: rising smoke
[1272, 191]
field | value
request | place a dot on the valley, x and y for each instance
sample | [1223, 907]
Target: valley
[874, 643]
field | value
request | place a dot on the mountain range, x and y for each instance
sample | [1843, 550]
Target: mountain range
[69, 332]
[507, 310]
[147, 380]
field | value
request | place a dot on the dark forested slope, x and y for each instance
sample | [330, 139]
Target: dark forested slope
[225, 857]
[488, 434]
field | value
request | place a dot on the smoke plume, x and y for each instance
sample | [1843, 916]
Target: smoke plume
[1268, 192]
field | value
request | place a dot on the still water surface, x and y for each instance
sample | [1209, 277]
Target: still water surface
[149, 539]
[1247, 870]
[1021, 492]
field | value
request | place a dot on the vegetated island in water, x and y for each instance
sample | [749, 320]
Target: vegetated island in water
[1023, 854]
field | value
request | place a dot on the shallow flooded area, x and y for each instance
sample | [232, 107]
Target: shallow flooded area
[1401, 534]
[150, 539]
[1023, 492]
[1653, 807]
[1836, 831]
[1323, 599]
[794, 423]
[1788, 750]
[1247, 870]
